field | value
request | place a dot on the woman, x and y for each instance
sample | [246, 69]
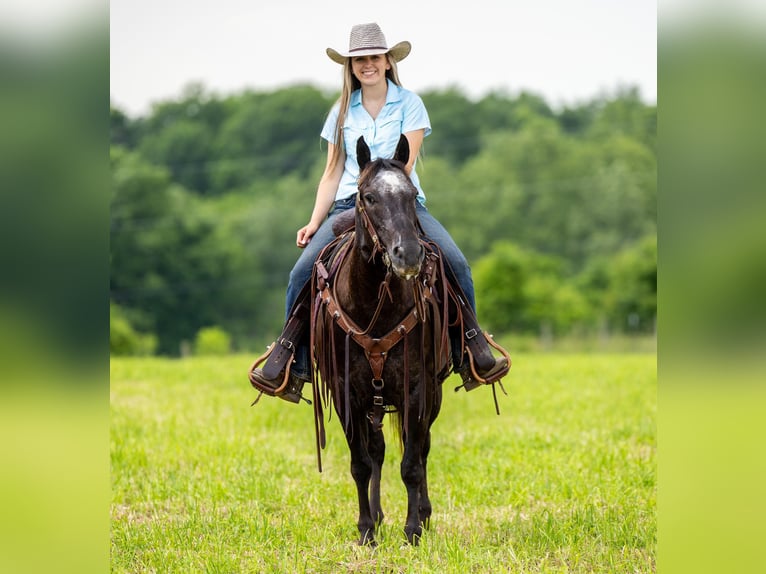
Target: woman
[372, 104]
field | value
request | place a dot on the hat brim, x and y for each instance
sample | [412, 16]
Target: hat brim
[398, 52]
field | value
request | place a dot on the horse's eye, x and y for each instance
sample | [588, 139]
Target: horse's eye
[369, 199]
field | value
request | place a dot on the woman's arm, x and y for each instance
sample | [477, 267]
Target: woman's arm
[328, 187]
[415, 139]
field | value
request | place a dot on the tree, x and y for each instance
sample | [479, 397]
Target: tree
[180, 135]
[269, 135]
[625, 114]
[122, 130]
[185, 148]
[167, 259]
[633, 287]
[522, 291]
[455, 135]
[501, 112]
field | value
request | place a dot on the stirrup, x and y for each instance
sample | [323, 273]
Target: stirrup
[287, 386]
[470, 376]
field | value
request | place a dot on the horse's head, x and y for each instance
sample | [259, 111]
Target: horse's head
[386, 220]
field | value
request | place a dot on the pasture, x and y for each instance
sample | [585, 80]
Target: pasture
[564, 480]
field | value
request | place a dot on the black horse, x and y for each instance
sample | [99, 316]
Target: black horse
[379, 337]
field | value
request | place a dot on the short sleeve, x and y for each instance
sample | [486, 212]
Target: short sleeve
[328, 131]
[415, 115]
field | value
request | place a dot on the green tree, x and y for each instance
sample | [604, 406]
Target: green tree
[577, 120]
[269, 135]
[522, 291]
[167, 259]
[195, 103]
[455, 135]
[633, 287]
[185, 148]
[498, 111]
[180, 135]
[122, 130]
[626, 114]
[479, 202]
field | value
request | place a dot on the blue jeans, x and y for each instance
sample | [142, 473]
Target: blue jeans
[303, 268]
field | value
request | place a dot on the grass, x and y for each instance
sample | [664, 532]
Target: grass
[564, 480]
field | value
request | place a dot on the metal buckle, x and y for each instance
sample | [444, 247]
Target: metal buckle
[471, 334]
[377, 398]
[286, 344]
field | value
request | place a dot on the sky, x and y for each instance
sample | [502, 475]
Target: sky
[567, 51]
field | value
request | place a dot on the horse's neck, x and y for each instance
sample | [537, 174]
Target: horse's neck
[362, 282]
[364, 278]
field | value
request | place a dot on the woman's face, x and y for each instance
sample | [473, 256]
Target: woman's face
[370, 70]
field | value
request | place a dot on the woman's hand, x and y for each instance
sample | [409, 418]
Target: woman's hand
[304, 235]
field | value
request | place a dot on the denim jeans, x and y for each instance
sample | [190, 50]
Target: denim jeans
[303, 268]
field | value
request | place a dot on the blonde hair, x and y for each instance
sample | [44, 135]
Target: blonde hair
[350, 83]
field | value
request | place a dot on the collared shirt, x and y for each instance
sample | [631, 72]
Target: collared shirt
[403, 112]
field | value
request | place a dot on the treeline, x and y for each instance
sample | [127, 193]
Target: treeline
[555, 209]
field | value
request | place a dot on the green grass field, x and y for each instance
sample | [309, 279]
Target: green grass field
[564, 480]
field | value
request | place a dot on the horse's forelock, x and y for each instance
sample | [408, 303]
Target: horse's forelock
[370, 171]
[375, 167]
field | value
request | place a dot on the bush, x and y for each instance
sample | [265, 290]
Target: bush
[123, 337]
[212, 341]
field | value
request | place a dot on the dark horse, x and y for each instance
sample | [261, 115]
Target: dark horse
[379, 337]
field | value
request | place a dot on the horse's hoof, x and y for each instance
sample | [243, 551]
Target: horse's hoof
[414, 537]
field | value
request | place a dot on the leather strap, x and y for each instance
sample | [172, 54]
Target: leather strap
[376, 349]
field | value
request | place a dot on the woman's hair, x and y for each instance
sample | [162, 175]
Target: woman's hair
[350, 83]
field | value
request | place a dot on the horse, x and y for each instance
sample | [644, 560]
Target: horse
[379, 338]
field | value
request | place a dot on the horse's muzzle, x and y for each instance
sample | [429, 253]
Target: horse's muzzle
[406, 258]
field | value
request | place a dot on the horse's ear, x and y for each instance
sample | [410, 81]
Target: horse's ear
[402, 152]
[362, 153]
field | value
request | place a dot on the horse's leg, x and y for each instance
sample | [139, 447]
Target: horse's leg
[413, 474]
[377, 449]
[424, 509]
[361, 471]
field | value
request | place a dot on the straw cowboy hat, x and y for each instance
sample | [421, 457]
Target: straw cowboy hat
[367, 40]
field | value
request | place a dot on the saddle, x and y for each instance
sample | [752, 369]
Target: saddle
[344, 222]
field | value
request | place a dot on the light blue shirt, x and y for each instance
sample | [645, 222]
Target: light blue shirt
[403, 112]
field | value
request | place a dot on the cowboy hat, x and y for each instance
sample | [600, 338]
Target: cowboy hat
[366, 40]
